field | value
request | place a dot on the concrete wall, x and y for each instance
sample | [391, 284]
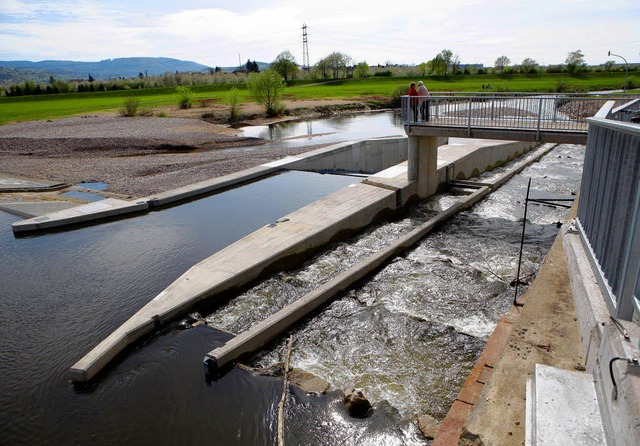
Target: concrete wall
[366, 156]
[486, 158]
[601, 342]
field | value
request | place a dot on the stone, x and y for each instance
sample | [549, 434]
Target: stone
[357, 404]
[308, 382]
[428, 426]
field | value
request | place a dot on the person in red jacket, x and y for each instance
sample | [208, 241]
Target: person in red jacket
[413, 100]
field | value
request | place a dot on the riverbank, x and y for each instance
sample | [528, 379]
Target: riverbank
[146, 155]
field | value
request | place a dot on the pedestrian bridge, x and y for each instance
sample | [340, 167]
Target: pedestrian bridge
[556, 118]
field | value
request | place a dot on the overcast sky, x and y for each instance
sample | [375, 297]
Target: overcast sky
[218, 33]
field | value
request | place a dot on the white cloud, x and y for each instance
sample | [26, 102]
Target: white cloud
[214, 32]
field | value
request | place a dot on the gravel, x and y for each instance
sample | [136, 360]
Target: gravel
[134, 156]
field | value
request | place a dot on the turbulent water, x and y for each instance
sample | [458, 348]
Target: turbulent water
[410, 334]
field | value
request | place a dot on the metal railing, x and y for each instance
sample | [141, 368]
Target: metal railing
[609, 208]
[525, 111]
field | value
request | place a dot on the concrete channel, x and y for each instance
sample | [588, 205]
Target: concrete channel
[299, 233]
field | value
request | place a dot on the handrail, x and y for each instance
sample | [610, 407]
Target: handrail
[522, 111]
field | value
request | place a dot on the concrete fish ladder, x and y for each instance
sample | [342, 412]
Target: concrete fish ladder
[301, 231]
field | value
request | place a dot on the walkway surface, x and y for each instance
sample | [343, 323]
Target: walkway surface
[490, 408]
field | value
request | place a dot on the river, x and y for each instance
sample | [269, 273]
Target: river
[408, 335]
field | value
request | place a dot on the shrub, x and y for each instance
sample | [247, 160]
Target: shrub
[234, 109]
[266, 88]
[386, 73]
[130, 107]
[400, 91]
[185, 97]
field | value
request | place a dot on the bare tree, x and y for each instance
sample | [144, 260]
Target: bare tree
[502, 62]
[528, 65]
[336, 63]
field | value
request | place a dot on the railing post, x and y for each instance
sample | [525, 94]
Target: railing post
[539, 119]
[493, 107]
[469, 120]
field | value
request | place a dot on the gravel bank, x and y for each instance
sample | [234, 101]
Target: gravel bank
[134, 156]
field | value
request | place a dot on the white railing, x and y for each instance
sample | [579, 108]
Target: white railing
[526, 111]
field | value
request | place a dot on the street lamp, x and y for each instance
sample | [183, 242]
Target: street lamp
[626, 69]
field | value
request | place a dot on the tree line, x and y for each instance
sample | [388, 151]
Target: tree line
[336, 65]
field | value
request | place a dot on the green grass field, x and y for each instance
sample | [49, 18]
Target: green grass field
[13, 109]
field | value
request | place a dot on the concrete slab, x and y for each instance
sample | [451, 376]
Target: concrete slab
[209, 186]
[16, 183]
[311, 226]
[30, 209]
[109, 207]
[565, 409]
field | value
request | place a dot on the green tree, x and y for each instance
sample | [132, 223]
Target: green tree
[574, 61]
[362, 70]
[285, 64]
[438, 65]
[252, 67]
[322, 69]
[501, 63]
[267, 88]
[447, 58]
[528, 65]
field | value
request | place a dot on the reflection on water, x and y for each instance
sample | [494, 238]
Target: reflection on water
[62, 293]
[339, 128]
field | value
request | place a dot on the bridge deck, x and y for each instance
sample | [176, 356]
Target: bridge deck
[509, 116]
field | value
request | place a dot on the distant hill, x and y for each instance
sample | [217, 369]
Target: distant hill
[20, 71]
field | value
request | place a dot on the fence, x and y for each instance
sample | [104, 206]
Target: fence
[609, 207]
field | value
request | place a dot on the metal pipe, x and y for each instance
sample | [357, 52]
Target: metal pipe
[524, 225]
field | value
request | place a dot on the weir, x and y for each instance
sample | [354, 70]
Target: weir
[293, 235]
[418, 177]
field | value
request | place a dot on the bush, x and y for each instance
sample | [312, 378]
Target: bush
[185, 97]
[386, 73]
[266, 88]
[130, 107]
[396, 101]
[234, 109]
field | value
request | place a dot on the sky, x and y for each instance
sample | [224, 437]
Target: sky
[224, 33]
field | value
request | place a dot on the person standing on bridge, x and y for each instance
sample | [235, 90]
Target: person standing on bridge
[424, 102]
[413, 100]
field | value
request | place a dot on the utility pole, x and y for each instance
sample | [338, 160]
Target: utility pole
[305, 48]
